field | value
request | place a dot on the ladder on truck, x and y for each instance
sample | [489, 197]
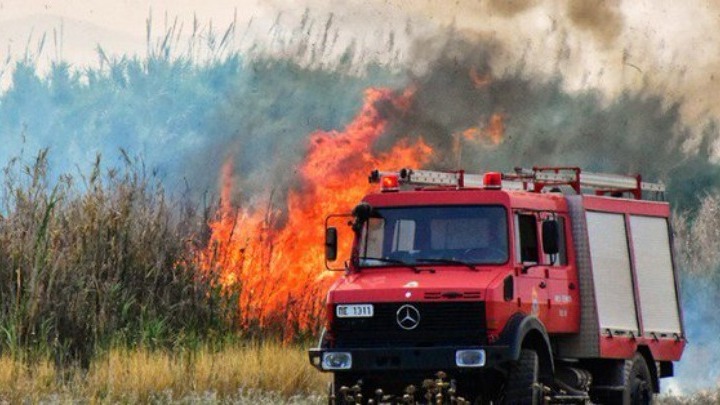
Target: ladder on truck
[536, 180]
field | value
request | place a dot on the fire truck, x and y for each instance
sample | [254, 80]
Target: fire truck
[543, 285]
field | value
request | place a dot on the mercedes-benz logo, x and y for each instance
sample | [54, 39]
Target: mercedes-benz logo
[408, 317]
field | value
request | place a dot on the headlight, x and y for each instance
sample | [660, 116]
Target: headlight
[470, 358]
[337, 361]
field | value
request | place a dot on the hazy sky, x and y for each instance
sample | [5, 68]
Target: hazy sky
[120, 26]
[125, 15]
[670, 46]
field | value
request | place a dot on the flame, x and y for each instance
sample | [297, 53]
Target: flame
[278, 268]
[496, 128]
[478, 80]
[493, 131]
[488, 134]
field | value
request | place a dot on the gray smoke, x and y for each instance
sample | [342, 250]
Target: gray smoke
[545, 125]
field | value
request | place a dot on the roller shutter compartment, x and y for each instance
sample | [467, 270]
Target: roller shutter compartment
[655, 276]
[612, 275]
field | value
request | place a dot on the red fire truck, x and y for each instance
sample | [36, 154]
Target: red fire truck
[541, 285]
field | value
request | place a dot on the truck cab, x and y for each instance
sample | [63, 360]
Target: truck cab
[503, 288]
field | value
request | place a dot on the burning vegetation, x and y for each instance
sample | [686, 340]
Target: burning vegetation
[109, 256]
[273, 254]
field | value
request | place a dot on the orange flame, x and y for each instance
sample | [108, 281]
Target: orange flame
[489, 134]
[478, 80]
[279, 268]
[493, 131]
[496, 128]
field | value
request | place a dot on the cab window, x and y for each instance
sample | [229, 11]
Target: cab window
[526, 240]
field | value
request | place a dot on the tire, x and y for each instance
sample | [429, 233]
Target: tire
[638, 389]
[521, 387]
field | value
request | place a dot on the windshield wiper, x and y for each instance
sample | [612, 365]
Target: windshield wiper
[392, 261]
[448, 261]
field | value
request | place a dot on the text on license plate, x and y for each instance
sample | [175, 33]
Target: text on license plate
[354, 311]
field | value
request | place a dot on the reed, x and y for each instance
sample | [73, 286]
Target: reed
[99, 258]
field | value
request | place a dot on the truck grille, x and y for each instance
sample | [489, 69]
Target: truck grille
[441, 324]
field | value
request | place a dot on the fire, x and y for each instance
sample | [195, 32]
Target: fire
[496, 128]
[493, 131]
[279, 269]
[490, 133]
[478, 80]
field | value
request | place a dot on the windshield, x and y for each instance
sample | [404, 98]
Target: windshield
[437, 235]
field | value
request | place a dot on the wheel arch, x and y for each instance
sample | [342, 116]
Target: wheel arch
[652, 366]
[528, 332]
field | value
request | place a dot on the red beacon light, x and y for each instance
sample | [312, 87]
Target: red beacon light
[492, 181]
[390, 182]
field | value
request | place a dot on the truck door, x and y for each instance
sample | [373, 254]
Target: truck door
[531, 281]
[544, 281]
[563, 294]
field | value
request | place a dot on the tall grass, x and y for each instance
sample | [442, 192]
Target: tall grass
[98, 259]
[698, 241]
[706, 397]
[245, 373]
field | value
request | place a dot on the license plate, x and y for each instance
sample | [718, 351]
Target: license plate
[354, 311]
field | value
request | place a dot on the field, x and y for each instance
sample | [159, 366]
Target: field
[238, 373]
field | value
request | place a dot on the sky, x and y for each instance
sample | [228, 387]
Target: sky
[121, 25]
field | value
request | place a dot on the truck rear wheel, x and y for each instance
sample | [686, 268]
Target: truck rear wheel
[521, 387]
[638, 388]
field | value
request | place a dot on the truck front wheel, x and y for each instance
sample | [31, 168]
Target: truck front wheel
[638, 388]
[521, 387]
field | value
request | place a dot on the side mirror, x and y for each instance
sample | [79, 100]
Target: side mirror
[331, 244]
[550, 237]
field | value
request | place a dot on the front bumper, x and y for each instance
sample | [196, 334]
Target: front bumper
[421, 358]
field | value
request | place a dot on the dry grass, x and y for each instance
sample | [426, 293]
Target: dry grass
[707, 397]
[236, 373]
[89, 260]
[698, 237]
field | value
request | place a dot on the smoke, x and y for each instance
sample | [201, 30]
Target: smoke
[624, 87]
[602, 18]
[698, 247]
[636, 132]
[697, 370]
[611, 46]
[184, 119]
[509, 8]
